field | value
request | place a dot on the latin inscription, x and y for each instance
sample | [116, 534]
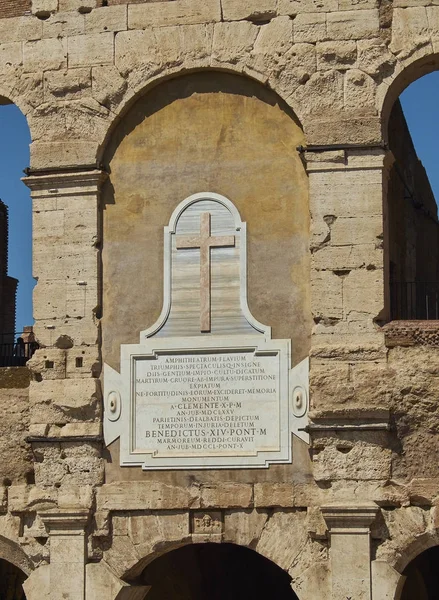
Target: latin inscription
[207, 404]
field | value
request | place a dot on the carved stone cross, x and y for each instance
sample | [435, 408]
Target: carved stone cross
[205, 242]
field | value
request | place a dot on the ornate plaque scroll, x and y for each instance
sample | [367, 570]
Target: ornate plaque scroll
[206, 387]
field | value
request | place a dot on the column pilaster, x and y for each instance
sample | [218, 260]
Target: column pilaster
[67, 535]
[349, 530]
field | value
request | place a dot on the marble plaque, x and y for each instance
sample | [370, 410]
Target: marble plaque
[206, 387]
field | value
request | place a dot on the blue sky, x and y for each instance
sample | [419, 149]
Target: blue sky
[420, 105]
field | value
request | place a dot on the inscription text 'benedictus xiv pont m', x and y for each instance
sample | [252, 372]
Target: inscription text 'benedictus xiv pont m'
[206, 387]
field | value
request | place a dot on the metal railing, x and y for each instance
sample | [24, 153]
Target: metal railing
[14, 350]
[414, 301]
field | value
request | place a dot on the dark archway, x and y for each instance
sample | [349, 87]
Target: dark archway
[216, 572]
[11, 581]
[422, 574]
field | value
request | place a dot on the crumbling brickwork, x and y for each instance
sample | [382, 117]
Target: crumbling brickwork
[14, 8]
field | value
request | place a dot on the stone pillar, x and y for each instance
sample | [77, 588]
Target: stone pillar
[66, 433]
[349, 530]
[67, 553]
[347, 274]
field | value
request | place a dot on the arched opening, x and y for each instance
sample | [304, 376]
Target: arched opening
[411, 210]
[422, 576]
[11, 581]
[16, 281]
[216, 132]
[215, 572]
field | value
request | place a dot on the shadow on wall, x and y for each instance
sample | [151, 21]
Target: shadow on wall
[422, 574]
[216, 572]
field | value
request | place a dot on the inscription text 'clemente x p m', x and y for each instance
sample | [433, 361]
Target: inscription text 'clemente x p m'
[205, 242]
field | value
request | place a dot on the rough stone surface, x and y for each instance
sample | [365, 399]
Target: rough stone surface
[110, 84]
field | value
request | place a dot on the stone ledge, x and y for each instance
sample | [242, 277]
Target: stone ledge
[411, 333]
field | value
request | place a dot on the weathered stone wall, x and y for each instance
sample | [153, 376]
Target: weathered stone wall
[81, 74]
[16, 464]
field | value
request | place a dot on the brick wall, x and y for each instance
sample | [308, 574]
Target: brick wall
[14, 8]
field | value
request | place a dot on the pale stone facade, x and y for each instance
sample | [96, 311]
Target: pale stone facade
[353, 509]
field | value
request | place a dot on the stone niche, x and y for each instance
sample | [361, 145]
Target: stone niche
[225, 134]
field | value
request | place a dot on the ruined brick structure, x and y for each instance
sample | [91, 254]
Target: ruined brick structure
[288, 108]
[8, 285]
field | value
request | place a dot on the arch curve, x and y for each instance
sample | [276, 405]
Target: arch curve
[414, 548]
[143, 88]
[407, 73]
[11, 552]
[214, 571]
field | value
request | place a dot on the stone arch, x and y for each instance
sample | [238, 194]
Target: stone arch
[144, 87]
[416, 546]
[152, 535]
[210, 570]
[406, 72]
[11, 552]
[15, 569]
[160, 153]
[421, 555]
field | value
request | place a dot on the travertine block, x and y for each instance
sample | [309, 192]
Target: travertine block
[410, 29]
[50, 300]
[352, 456]
[326, 295]
[83, 6]
[64, 401]
[134, 49]
[62, 24]
[48, 363]
[363, 292]
[336, 55]
[364, 130]
[67, 85]
[233, 41]
[358, 4]
[295, 7]
[178, 12]
[138, 495]
[188, 44]
[356, 230]
[108, 86]
[30, 89]
[340, 258]
[87, 50]
[227, 495]
[374, 57]
[10, 56]
[244, 527]
[236, 10]
[353, 24]
[310, 27]
[296, 67]
[433, 20]
[148, 531]
[322, 94]
[346, 193]
[275, 38]
[278, 547]
[20, 29]
[43, 8]
[52, 53]
[273, 494]
[359, 92]
[68, 464]
[108, 18]
[65, 154]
